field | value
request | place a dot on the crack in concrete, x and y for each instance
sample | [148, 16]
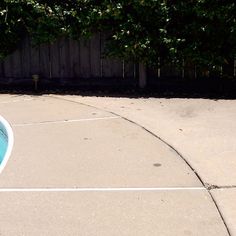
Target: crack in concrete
[207, 186]
[213, 186]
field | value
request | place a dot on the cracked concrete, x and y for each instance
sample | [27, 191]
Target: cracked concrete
[225, 199]
[201, 130]
[123, 155]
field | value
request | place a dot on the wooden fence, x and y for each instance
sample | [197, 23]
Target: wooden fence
[70, 60]
[66, 59]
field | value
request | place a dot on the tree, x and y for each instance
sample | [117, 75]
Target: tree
[206, 31]
[201, 31]
[19, 18]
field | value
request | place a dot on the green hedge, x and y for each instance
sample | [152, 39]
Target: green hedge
[148, 31]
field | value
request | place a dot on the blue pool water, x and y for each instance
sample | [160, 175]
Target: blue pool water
[6, 142]
[3, 142]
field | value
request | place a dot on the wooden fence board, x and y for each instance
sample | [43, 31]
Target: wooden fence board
[170, 71]
[104, 69]
[16, 64]
[74, 52]
[117, 68]
[44, 61]
[25, 58]
[34, 60]
[95, 56]
[64, 58]
[85, 62]
[152, 73]
[228, 68]
[1, 69]
[189, 69]
[7, 66]
[55, 59]
[110, 67]
[128, 69]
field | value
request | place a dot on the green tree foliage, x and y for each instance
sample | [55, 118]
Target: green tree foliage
[205, 29]
[200, 31]
[11, 26]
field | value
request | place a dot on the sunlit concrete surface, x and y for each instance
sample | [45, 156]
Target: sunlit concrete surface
[78, 167]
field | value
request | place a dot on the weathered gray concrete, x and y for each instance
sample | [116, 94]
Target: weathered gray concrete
[225, 199]
[100, 153]
[203, 130]
[111, 213]
[62, 144]
[27, 109]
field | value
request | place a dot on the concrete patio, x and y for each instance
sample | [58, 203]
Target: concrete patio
[119, 166]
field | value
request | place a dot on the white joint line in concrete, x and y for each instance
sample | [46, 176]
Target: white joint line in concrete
[66, 121]
[2, 190]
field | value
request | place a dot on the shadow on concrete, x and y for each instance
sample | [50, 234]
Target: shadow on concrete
[208, 88]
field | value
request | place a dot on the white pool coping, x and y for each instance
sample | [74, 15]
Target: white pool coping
[10, 137]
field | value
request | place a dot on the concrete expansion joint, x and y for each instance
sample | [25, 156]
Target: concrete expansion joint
[213, 186]
[66, 121]
[207, 186]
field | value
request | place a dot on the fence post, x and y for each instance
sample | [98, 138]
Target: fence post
[142, 76]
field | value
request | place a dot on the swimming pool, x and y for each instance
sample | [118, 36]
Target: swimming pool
[6, 142]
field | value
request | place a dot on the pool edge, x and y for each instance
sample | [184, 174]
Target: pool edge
[10, 142]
